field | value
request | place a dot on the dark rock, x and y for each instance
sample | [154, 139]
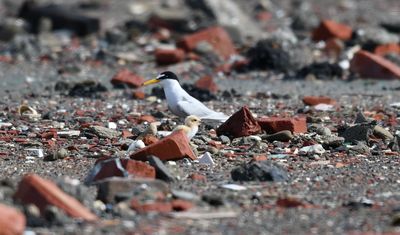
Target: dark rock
[267, 54]
[359, 132]
[87, 89]
[61, 17]
[332, 142]
[392, 25]
[394, 145]
[162, 171]
[259, 171]
[213, 199]
[109, 188]
[279, 53]
[116, 36]
[241, 123]
[323, 71]
[56, 217]
[371, 37]
[360, 118]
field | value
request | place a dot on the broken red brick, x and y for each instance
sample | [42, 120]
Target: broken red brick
[12, 222]
[169, 56]
[315, 100]
[207, 83]
[275, 124]
[157, 206]
[387, 48]
[330, 29]
[241, 123]
[259, 158]
[264, 16]
[334, 47]
[138, 94]
[181, 205]
[110, 167]
[146, 118]
[173, 147]
[289, 202]
[149, 139]
[43, 193]
[368, 65]
[126, 134]
[125, 76]
[217, 37]
[198, 177]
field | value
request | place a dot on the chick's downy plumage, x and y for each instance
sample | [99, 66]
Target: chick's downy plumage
[191, 126]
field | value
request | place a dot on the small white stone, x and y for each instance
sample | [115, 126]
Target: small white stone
[206, 159]
[235, 187]
[112, 125]
[135, 145]
[312, 149]
[32, 152]
[68, 133]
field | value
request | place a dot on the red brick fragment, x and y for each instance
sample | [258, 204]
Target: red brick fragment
[368, 65]
[330, 29]
[207, 83]
[217, 37]
[289, 202]
[387, 48]
[157, 206]
[264, 16]
[275, 124]
[173, 147]
[181, 205]
[146, 118]
[12, 222]
[241, 123]
[126, 134]
[111, 168]
[169, 56]
[125, 76]
[198, 177]
[150, 139]
[138, 94]
[315, 100]
[43, 193]
[334, 47]
[259, 158]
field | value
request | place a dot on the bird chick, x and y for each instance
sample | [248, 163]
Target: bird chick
[191, 126]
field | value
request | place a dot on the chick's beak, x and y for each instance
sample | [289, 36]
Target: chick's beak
[151, 81]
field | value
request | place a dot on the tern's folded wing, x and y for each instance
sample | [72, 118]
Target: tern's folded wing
[200, 110]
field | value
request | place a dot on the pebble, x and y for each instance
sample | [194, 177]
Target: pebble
[382, 133]
[283, 136]
[324, 131]
[104, 132]
[259, 171]
[311, 150]
[162, 172]
[37, 153]
[206, 159]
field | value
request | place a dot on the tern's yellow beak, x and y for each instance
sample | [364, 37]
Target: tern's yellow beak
[151, 81]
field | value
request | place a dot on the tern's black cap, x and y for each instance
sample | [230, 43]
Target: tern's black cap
[167, 75]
